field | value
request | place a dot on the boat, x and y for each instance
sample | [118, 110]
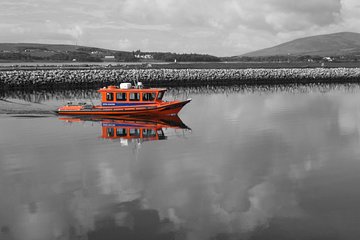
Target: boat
[126, 99]
[132, 127]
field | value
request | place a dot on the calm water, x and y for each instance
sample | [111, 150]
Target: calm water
[258, 163]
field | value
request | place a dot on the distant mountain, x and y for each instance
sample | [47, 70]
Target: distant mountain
[336, 44]
[61, 52]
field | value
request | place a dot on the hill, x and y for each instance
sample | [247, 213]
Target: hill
[61, 52]
[336, 44]
[50, 47]
[54, 52]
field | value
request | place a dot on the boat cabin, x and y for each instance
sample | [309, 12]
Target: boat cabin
[126, 95]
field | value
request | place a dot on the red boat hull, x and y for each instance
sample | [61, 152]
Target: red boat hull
[165, 108]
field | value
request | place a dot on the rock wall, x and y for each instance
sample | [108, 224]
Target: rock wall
[45, 79]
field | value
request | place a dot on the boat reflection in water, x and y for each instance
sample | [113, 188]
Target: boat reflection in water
[134, 129]
[128, 218]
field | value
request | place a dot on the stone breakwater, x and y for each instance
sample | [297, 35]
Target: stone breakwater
[46, 79]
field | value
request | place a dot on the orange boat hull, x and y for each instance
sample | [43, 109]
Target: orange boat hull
[165, 108]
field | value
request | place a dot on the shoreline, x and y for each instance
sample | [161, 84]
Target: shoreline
[91, 78]
[5, 66]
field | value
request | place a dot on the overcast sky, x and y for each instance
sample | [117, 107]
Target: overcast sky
[217, 27]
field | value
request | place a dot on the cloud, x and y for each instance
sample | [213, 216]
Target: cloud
[19, 30]
[124, 43]
[205, 26]
[74, 31]
[228, 13]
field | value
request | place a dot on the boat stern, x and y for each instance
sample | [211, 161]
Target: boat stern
[67, 109]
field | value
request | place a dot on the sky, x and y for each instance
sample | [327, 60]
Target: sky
[216, 27]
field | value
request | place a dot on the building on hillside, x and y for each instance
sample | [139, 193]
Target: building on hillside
[328, 59]
[109, 59]
[144, 56]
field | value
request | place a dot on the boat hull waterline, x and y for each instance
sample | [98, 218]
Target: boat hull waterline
[165, 108]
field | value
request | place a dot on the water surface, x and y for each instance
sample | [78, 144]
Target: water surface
[258, 163]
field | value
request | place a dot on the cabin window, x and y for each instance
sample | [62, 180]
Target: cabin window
[121, 132]
[149, 133]
[109, 96]
[149, 96]
[110, 132]
[120, 96]
[160, 95]
[134, 132]
[134, 96]
[161, 134]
